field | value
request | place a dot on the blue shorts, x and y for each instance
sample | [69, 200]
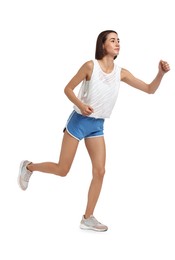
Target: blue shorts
[80, 126]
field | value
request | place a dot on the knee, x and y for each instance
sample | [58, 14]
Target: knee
[99, 173]
[63, 171]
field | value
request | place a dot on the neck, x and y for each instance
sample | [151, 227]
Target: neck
[106, 64]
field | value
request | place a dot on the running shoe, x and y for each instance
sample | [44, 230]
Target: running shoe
[24, 175]
[92, 223]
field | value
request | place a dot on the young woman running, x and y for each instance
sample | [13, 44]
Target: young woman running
[100, 79]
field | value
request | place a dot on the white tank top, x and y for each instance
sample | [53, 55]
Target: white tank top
[101, 91]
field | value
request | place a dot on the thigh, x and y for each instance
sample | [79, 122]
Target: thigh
[68, 150]
[97, 151]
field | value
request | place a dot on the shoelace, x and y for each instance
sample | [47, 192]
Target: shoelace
[94, 221]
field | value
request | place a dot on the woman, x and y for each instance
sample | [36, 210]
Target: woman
[97, 96]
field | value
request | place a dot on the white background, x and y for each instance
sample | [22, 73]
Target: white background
[43, 44]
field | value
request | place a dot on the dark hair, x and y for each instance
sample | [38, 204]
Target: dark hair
[100, 52]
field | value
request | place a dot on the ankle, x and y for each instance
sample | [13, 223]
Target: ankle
[86, 216]
[28, 167]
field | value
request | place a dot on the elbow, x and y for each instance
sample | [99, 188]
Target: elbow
[65, 91]
[68, 91]
[151, 90]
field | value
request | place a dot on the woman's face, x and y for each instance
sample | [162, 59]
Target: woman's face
[112, 44]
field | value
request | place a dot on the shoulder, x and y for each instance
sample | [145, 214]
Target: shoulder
[125, 74]
[87, 67]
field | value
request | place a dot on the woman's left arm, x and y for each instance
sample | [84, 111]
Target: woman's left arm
[128, 78]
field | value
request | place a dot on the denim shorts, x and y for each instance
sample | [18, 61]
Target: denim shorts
[80, 126]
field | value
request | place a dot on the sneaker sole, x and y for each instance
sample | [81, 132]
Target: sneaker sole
[84, 227]
[19, 176]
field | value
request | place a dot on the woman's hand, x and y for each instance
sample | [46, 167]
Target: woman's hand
[164, 66]
[86, 110]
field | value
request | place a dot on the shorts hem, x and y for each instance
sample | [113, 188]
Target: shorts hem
[94, 136]
[72, 134]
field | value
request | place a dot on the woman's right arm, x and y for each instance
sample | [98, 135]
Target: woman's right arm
[83, 73]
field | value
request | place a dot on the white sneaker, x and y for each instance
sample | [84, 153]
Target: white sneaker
[92, 223]
[24, 175]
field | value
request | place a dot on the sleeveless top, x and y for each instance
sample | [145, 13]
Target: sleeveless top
[101, 91]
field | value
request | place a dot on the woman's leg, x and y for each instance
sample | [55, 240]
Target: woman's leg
[67, 154]
[97, 152]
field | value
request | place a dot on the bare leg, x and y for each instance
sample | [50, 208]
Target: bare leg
[67, 154]
[97, 151]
